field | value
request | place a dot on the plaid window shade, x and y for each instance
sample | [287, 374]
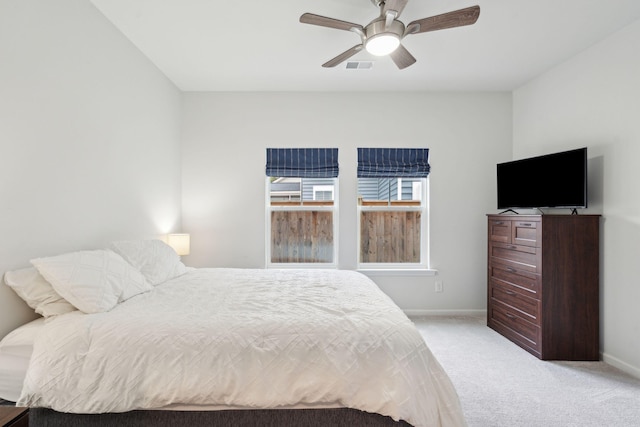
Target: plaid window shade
[393, 162]
[302, 162]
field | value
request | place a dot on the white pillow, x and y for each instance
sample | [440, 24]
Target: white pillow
[37, 292]
[156, 260]
[94, 281]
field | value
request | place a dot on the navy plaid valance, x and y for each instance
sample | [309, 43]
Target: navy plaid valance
[302, 162]
[393, 162]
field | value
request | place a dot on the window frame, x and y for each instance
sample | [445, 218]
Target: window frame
[424, 208]
[311, 205]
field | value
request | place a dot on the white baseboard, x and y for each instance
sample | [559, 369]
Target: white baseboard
[469, 313]
[623, 366]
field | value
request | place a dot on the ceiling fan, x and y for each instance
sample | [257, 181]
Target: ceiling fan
[382, 36]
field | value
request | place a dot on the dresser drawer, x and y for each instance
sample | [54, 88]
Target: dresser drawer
[526, 233]
[500, 230]
[517, 299]
[528, 282]
[511, 324]
[518, 257]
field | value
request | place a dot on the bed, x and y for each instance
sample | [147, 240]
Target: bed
[145, 340]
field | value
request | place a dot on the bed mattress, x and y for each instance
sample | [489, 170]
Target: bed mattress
[247, 339]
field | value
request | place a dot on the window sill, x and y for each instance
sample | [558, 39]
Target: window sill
[416, 272]
[305, 266]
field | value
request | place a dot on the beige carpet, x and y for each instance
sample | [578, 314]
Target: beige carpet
[501, 385]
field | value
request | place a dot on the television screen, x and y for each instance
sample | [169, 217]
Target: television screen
[557, 180]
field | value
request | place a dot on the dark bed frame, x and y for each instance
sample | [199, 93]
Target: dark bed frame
[339, 417]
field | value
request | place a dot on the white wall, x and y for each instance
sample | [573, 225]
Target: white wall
[89, 138]
[223, 158]
[593, 100]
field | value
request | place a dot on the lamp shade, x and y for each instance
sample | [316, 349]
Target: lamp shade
[181, 243]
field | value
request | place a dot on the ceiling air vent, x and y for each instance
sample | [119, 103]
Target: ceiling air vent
[359, 65]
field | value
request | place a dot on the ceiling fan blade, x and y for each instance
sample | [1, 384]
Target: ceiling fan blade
[343, 56]
[323, 21]
[402, 57]
[458, 18]
[394, 6]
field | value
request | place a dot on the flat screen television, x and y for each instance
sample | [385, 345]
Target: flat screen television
[557, 180]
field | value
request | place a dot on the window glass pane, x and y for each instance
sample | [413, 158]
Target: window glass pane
[390, 220]
[301, 236]
[389, 189]
[301, 220]
[390, 236]
[301, 189]
[284, 189]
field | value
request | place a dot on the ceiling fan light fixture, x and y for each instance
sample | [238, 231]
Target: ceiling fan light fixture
[382, 36]
[382, 44]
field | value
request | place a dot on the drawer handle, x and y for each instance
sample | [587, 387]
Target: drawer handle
[509, 292]
[511, 270]
[510, 316]
[498, 223]
[526, 224]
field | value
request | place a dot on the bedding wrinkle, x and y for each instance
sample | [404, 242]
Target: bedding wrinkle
[244, 338]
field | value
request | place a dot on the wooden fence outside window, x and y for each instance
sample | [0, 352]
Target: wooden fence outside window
[301, 236]
[390, 236]
[306, 236]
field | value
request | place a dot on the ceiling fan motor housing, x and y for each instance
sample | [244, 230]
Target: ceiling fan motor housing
[379, 26]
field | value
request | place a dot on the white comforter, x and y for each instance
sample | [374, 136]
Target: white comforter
[248, 339]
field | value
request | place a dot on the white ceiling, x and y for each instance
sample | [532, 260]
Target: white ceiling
[257, 45]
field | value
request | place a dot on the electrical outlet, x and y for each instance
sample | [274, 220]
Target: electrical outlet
[439, 287]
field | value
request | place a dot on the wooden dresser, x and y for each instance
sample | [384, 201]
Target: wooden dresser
[543, 283]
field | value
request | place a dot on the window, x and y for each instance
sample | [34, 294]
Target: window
[323, 192]
[301, 207]
[392, 208]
